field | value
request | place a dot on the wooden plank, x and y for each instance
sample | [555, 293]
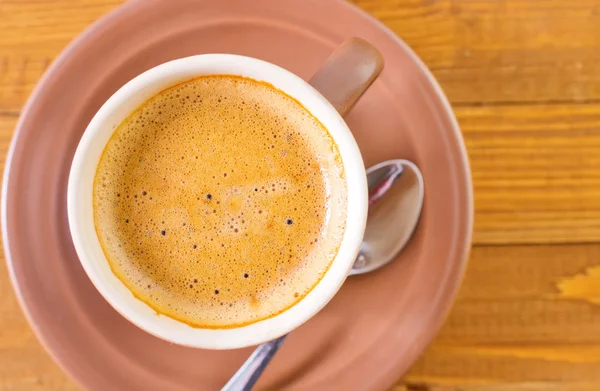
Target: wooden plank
[509, 51]
[525, 319]
[536, 171]
[8, 123]
[481, 51]
[526, 315]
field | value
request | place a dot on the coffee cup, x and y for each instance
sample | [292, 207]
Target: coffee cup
[331, 92]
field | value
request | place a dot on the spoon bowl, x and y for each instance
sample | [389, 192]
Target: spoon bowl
[390, 224]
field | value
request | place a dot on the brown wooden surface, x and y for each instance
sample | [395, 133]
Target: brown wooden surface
[524, 79]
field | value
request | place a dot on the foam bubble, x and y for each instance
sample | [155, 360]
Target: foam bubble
[223, 201]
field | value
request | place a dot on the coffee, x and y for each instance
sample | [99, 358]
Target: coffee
[220, 201]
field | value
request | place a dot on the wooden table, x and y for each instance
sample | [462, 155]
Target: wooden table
[523, 77]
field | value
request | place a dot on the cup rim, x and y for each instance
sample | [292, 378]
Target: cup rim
[80, 212]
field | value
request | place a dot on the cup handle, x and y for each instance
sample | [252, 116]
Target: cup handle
[347, 73]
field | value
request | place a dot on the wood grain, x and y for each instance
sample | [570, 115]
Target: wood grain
[512, 328]
[516, 322]
[524, 79]
[536, 172]
[481, 51]
[509, 51]
[534, 160]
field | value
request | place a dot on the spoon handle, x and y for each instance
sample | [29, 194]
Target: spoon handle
[250, 371]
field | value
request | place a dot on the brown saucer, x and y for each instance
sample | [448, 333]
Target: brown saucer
[374, 328]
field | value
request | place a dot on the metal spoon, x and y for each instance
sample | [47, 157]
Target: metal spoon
[389, 227]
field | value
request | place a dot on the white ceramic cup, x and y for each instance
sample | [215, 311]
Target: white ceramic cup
[343, 78]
